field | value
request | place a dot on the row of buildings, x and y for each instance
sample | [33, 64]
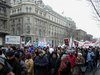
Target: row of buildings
[34, 21]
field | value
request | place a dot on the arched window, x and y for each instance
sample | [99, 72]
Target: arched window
[14, 1]
[26, 9]
[39, 32]
[30, 9]
[28, 29]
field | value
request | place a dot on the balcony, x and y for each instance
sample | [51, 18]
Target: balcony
[3, 15]
[4, 31]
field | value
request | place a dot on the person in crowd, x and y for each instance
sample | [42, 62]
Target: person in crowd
[96, 58]
[41, 64]
[25, 50]
[80, 61]
[2, 54]
[13, 62]
[18, 57]
[65, 66]
[5, 68]
[58, 53]
[30, 49]
[35, 53]
[90, 58]
[54, 64]
[29, 64]
[72, 58]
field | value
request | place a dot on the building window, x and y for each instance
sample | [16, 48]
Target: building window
[15, 10]
[28, 19]
[28, 0]
[44, 33]
[40, 12]
[18, 30]
[44, 14]
[26, 9]
[39, 32]
[20, 1]
[13, 31]
[49, 17]
[14, 1]
[30, 9]
[4, 11]
[19, 20]
[19, 9]
[32, 0]
[36, 10]
[52, 18]
[28, 29]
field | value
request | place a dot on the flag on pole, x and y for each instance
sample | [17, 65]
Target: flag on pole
[28, 43]
[70, 42]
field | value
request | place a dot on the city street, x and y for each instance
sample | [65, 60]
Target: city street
[49, 37]
[97, 72]
[94, 72]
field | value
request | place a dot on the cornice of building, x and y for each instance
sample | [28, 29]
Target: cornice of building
[21, 14]
[46, 8]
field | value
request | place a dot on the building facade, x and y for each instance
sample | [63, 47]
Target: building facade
[4, 19]
[89, 37]
[80, 35]
[37, 22]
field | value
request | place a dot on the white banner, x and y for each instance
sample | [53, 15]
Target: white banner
[12, 39]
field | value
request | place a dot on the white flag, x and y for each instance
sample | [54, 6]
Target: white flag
[70, 42]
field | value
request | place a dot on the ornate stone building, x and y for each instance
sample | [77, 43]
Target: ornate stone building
[35, 21]
[4, 19]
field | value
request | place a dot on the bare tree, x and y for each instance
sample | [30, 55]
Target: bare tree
[96, 6]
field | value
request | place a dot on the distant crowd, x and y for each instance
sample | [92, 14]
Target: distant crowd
[42, 61]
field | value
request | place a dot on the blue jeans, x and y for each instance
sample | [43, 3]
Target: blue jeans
[90, 65]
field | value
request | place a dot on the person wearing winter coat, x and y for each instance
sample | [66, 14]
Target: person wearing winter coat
[65, 66]
[13, 62]
[80, 63]
[41, 64]
[5, 68]
[54, 64]
[72, 59]
[18, 57]
[90, 58]
[29, 64]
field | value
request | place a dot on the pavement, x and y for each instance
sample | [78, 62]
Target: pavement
[96, 71]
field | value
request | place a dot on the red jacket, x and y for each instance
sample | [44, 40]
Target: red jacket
[72, 60]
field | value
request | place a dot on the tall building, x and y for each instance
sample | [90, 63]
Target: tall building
[35, 21]
[4, 19]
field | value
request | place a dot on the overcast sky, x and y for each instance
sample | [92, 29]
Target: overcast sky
[80, 11]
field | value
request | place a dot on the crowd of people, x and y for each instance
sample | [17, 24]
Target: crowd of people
[42, 61]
